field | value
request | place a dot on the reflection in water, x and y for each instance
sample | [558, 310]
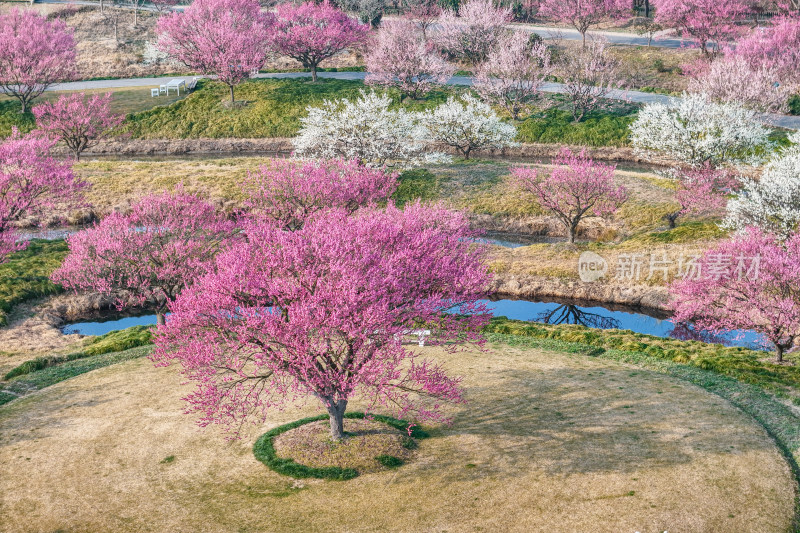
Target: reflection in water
[572, 314]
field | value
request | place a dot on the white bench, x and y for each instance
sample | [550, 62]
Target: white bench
[154, 92]
[175, 84]
[420, 333]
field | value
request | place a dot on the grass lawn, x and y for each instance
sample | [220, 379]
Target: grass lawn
[549, 441]
[26, 274]
[124, 101]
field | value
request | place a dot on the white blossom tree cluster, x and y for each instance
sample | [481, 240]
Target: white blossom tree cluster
[367, 129]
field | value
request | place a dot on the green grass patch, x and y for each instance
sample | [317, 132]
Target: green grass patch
[555, 126]
[739, 363]
[114, 341]
[40, 379]
[418, 184]
[686, 232]
[389, 461]
[264, 450]
[26, 274]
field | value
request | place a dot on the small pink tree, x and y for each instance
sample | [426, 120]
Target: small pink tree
[288, 192]
[322, 312]
[575, 188]
[401, 56]
[473, 31]
[149, 255]
[702, 189]
[590, 74]
[513, 73]
[227, 38]
[749, 282]
[710, 23]
[423, 12]
[77, 120]
[34, 54]
[311, 33]
[32, 182]
[583, 14]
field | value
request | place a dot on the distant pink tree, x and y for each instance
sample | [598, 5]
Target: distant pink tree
[323, 311]
[776, 48]
[227, 38]
[575, 188]
[702, 189]
[583, 14]
[311, 33]
[423, 12]
[473, 31]
[77, 120]
[513, 73]
[749, 282]
[590, 74]
[32, 182]
[34, 54]
[149, 255]
[401, 56]
[710, 23]
[288, 191]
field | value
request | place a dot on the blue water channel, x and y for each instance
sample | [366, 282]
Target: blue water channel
[590, 315]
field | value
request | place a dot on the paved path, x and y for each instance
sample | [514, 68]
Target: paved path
[783, 121]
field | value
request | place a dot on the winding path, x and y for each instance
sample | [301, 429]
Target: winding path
[782, 121]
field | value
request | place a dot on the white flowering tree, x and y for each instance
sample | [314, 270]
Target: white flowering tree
[367, 130]
[772, 202]
[466, 124]
[697, 131]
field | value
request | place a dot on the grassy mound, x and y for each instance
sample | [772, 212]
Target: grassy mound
[312, 447]
[26, 274]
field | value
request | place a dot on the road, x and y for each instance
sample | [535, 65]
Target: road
[782, 121]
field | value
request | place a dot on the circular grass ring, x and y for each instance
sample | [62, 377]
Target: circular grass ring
[264, 450]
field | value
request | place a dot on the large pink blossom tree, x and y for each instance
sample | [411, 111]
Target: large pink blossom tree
[423, 12]
[472, 31]
[576, 187]
[226, 38]
[34, 54]
[311, 33]
[32, 182]
[750, 282]
[288, 192]
[701, 189]
[401, 56]
[775, 48]
[513, 73]
[77, 120]
[583, 14]
[709, 23]
[149, 255]
[322, 313]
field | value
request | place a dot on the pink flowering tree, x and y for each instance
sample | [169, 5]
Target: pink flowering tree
[423, 12]
[226, 38]
[583, 14]
[577, 187]
[77, 120]
[400, 56]
[32, 182]
[149, 255]
[311, 33]
[513, 73]
[34, 54]
[288, 192]
[776, 48]
[749, 282]
[473, 31]
[322, 313]
[590, 74]
[702, 189]
[709, 23]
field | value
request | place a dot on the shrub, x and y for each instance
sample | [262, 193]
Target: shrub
[555, 126]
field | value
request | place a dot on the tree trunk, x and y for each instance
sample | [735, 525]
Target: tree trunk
[24, 103]
[232, 100]
[573, 231]
[161, 319]
[583, 39]
[313, 73]
[647, 8]
[336, 414]
[671, 218]
[779, 352]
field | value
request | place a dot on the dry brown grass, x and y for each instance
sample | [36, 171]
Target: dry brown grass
[548, 442]
[311, 445]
